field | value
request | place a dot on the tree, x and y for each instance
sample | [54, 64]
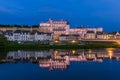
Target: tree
[35, 26]
[3, 41]
[25, 26]
[16, 25]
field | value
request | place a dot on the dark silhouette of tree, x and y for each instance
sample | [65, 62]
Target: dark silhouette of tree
[3, 41]
[19, 26]
[16, 25]
[25, 26]
[35, 26]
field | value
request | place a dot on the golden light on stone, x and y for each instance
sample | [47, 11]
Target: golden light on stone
[56, 41]
[118, 42]
[73, 41]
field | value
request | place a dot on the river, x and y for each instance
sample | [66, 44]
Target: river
[60, 64]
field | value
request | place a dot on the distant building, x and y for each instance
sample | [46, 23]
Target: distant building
[8, 35]
[56, 27]
[22, 35]
[102, 35]
[69, 37]
[116, 35]
[90, 35]
[55, 30]
[19, 35]
[62, 27]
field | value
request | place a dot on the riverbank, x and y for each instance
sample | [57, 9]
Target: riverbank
[15, 46]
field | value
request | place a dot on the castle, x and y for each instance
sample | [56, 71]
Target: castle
[63, 27]
[60, 29]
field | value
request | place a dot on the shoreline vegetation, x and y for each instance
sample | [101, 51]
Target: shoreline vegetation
[18, 26]
[16, 46]
[7, 45]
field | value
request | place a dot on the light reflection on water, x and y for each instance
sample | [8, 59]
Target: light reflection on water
[83, 63]
[60, 59]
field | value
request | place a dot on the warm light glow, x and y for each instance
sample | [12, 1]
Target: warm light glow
[90, 51]
[110, 52]
[56, 53]
[73, 51]
[118, 42]
[73, 41]
[56, 41]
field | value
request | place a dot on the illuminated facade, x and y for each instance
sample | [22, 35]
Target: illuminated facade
[90, 35]
[63, 27]
[57, 27]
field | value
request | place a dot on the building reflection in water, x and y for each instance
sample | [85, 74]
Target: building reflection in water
[60, 59]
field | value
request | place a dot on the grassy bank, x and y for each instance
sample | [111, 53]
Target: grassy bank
[15, 46]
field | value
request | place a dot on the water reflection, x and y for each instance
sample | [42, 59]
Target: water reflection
[60, 59]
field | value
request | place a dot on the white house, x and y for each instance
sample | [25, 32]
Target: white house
[64, 37]
[20, 35]
[41, 36]
[8, 35]
[102, 35]
[117, 35]
[90, 35]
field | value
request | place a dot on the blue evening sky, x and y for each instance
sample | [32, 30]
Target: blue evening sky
[105, 13]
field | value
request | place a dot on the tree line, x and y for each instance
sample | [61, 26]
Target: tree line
[3, 41]
[19, 26]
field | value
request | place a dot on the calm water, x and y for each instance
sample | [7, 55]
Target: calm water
[102, 64]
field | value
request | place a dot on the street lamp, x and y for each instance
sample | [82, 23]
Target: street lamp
[56, 41]
[73, 41]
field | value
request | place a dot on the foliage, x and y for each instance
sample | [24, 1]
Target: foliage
[16, 46]
[3, 41]
[19, 26]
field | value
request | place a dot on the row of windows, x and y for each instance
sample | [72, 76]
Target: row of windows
[57, 25]
[59, 22]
